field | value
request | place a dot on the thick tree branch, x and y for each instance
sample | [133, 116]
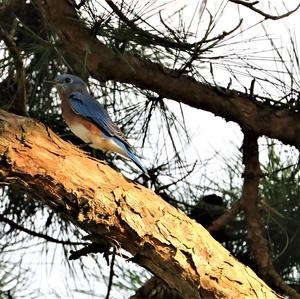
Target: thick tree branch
[104, 203]
[104, 63]
[255, 225]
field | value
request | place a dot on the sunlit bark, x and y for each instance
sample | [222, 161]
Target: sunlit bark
[101, 201]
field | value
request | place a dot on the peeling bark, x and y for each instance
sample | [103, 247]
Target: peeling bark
[104, 203]
[105, 64]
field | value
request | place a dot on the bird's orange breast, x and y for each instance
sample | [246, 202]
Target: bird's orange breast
[88, 131]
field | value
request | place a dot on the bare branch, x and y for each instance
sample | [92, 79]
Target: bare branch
[198, 50]
[167, 42]
[225, 219]
[251, 5]
[14, 225]
[162, 40]
[255, 226]
[122, 17]
[111, 273]
[89, 248]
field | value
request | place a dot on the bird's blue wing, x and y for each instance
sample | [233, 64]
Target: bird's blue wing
[88, 107]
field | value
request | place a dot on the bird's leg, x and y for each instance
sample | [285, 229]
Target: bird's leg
[114, 157]
[84, 145]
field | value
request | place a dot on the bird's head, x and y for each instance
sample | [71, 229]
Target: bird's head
[68, 82]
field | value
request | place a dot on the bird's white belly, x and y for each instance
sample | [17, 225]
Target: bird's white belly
[97, 141]
[81, 131]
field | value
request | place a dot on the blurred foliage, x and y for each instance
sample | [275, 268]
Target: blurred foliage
[159, 131]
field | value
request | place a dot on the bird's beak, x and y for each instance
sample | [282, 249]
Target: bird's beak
[52, 82]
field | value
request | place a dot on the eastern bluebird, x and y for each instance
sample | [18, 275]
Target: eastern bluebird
[89, 120]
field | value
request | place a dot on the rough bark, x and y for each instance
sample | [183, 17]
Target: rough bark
[155, 288]
[104, 63]
[256, 228]
[104, 203]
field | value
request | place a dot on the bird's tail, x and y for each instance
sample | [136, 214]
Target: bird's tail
[126, 151]
[137, 162]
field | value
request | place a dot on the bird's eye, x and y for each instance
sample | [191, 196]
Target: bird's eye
[68, 80]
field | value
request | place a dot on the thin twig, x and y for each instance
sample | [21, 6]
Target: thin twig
[198, 50]
[266, 15]
[167, 42]
[111, 273]
[163, 187]
[133, 26]
[14, 225]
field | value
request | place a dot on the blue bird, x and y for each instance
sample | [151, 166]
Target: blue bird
[89, 120]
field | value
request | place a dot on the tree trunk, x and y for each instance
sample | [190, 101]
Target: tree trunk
[104, 203]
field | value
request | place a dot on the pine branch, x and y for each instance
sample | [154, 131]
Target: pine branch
[255, 226]
[105, 64]
[101, 201]
[251, 5]
[20, 99]
[33, 233]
